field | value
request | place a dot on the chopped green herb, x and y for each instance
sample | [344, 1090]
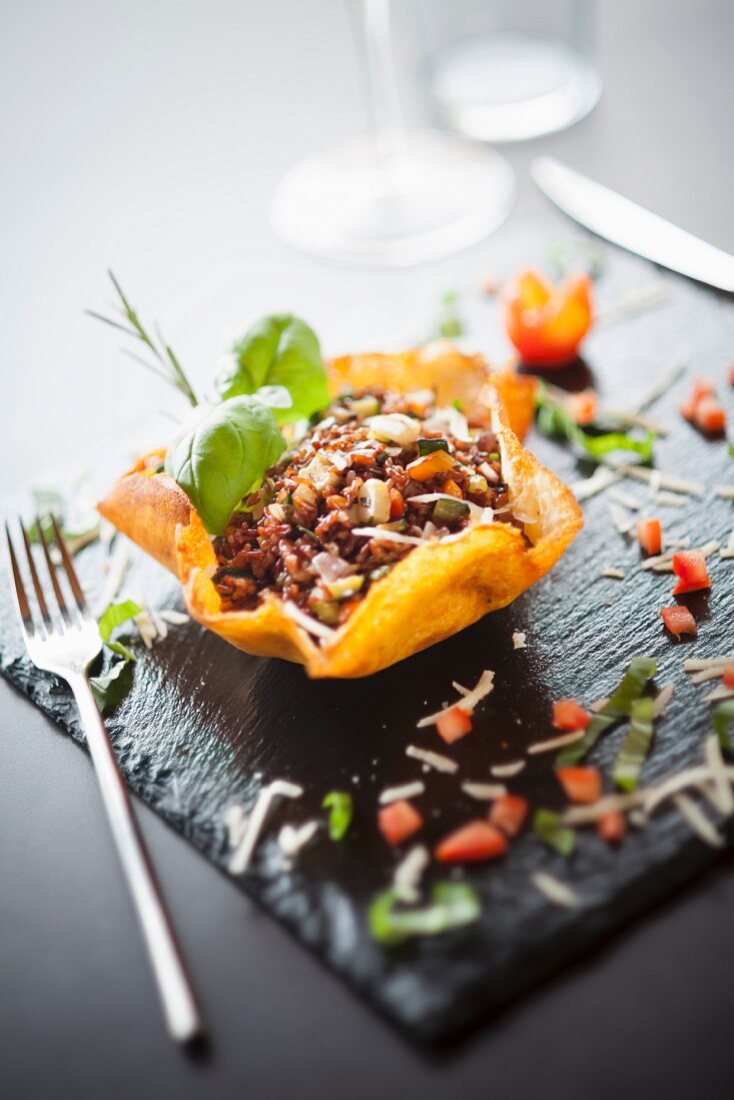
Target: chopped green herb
[449, 322]
[563, 257]
[308, 534]
[341, 810]
[722, 720]
[456, 404]
[428, 446]
[448, 511]
[556, 422]
[551, 830]
[111, 687]
[730, 449]
[452, 905]
[636, 745]
[641, 670]
[115, 615]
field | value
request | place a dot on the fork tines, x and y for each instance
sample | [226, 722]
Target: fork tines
[50, 539]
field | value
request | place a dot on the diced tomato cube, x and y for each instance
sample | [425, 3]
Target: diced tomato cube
[453, 724]
[728, 677]
[582, 407]
[679, 620]
[581, 784]
[398, 821]
[568, 715]
[731, 375]
[650, 535]
[689, 567]
[508, 813]
[472, 843]
[611, 826]
[702, 387]
[397, 504]
[710, 416]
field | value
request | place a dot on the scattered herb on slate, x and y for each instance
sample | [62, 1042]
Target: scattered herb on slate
[722, 720]
[111, 687]
[341, 810]
[555, 421]
[551, 830]
[115, 615]
[641, 670]
[452, 905]
[636, 745]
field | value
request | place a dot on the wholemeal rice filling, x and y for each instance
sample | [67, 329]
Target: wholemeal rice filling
[379, 474]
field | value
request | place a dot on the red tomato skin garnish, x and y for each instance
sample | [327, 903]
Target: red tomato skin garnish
[689, 567]
[650, 535]
[453, 724]
[728, 677]
[582, 407]
[581, 784]
[611, 827]
[569, 715]
[398, 821]
[472, 843]
[546, 323]
[508, 813]
[679, 620]
[710, 416]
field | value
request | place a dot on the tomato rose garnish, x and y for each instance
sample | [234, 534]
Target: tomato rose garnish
[546, 323]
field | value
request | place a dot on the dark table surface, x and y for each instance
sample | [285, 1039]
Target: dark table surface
[147, 137]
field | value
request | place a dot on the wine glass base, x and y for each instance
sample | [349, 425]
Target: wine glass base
[511, 87]
[348, 205]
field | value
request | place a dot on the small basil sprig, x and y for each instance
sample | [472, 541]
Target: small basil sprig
[221, 454]
[555, 421]
[278, 351]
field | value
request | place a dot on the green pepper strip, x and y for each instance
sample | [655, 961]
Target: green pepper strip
[636, 745]
[641, 670]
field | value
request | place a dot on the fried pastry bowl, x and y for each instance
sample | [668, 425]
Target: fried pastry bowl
[436, 590]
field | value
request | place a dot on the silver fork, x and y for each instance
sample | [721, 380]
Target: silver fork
[64, 639]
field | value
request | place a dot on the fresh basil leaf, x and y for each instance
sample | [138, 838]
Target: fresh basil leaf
[221, 453]
[341, 811]
[275, 397]
[549, 826]
[115, 615]
[111, 687]
[279, 350]
[452, 905]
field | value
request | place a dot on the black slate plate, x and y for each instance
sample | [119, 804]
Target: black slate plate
[206, 726]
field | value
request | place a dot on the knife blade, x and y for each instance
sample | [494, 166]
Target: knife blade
[630, 226]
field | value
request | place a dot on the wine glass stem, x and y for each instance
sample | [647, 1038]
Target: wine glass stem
[382, 82]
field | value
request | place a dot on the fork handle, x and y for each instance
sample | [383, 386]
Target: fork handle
[182, 1014]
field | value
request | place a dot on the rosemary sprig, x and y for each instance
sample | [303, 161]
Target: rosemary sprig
[167, 365]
